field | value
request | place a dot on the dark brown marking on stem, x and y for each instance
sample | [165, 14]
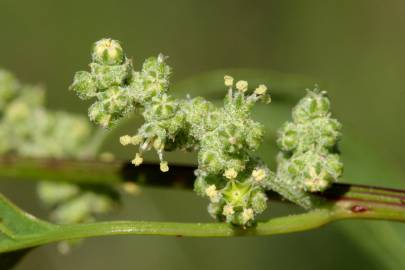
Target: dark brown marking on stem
[359, 209]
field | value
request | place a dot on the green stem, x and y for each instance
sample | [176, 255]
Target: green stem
[340, 202]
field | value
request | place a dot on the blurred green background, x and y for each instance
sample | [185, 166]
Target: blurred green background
[353, 49]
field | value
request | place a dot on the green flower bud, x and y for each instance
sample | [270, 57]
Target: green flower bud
[308, 162]
[155, 73]
[106, 76]
[327, 131]
[162, 107]
[84, 85]
[210, 160]
[258, 202]
[98, 115]
[334, 166]
[115, 100]
[288, 137]
[314, 104]
[231, 138]
[254, 135]
[108, 52]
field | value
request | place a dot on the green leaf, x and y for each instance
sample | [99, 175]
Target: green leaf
[18, 228]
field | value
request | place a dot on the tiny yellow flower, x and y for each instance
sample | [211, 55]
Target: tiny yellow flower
[261, 90]
[164, 167]
[228, 210]
[259, 175]
[137, 160]
[228, 81]
[242, 86]
[135, 140]
[125, 140]
[212, 193]
[247, 215]
[231, 173]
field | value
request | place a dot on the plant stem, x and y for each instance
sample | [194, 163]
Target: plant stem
[357, 202]
[340, 202]
[115, 172]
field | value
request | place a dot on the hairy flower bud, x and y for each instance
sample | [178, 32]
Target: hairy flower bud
[308, 162]
[108, 52]
[84, 85]
[314, 104]
[106, 76]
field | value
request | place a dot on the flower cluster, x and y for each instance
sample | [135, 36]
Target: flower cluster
[228, 174]
[308, 161]
[225, 138]
[27, 128]
[76, 204]
[107, 81]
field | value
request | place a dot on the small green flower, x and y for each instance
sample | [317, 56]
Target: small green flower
[84, 85]
[108, 52]
[29, 129]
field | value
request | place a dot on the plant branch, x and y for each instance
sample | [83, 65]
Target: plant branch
[350, 201]
[379, 205]
[341, 201]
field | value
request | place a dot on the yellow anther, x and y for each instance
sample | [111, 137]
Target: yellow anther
[212, 193]
[228, 81]
[231, 173]
[259, 175]
[228, 210]
[125, 140]
[135, 140]
[164, 167]
[247, 214]
[137, 160]
[261, 90]
[242, 86]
